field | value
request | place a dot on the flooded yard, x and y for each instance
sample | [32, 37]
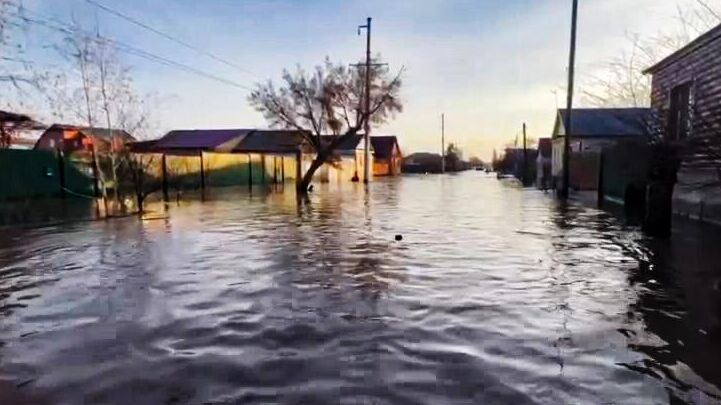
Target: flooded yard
[494, 295]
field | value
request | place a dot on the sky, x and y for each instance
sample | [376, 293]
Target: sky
[488, 65]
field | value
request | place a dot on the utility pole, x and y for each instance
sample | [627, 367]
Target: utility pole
[524, 176]
[443, 143]
[367, 129]
[569, 105]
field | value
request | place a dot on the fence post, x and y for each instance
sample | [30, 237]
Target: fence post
[250, 171]
[275, 169]
[61, 172]
[262, 168]
[165, 178]
[96, 186]
[202, 175]
[601, 165]
[298, 169]
[282, 169]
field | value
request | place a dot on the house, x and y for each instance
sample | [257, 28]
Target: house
[249, 156]
[347, 164]
[387, 156]
[686, 95]
[14, 129]
[594, 129]
[72, 139]
[422, 162]
[225, 156]
[544, 178]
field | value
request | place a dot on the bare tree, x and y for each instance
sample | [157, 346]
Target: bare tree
[104, 96]
[327, 101]
[620, 81]
[15, 72]
[20, 77]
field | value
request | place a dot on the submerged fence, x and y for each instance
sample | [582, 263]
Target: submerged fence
[181, 172]
[624, 169]
[26, 174]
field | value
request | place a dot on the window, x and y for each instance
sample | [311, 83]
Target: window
[679, 113]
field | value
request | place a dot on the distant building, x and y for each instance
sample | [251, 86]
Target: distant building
[71, 139]
[347, 163]
[387, 156]
[544, 177]
[253, 155]
[592, 130]
[422, 163]
[16, 130]
[686, 94]
[225, 157]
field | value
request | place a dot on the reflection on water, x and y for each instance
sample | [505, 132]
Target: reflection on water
[494, 295]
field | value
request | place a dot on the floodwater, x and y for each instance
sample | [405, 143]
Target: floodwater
[495, 295]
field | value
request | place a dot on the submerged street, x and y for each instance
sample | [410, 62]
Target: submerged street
[494, 295]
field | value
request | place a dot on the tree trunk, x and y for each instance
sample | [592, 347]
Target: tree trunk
[302, 186]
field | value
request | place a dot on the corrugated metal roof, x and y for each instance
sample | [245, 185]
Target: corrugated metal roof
[142, 146]
[107, 134]
[607, 122]
[101, 133]
[271, 141]
[383, 146]
[202, 139]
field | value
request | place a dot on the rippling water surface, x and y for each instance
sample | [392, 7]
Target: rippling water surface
[494, 295]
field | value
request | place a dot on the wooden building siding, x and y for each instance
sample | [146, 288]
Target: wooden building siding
[697, 192]
[700, 66]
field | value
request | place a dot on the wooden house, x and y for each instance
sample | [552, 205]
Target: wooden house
[686, 95]
[594, 129]
[14, 129]
[224, 157]
[387, 156]
[347, 163]
[72, 139]
[543, 163]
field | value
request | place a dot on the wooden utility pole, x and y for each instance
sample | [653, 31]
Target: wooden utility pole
[367, 129]
[524, 175]
[443, 143]
[569, 105]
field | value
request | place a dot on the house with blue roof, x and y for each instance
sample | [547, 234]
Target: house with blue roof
[593, 129]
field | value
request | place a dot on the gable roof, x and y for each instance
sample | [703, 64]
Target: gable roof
[107, 134]
[349, 144]
[383, 146]
[100, 133]
[605, 122]
[202, 139]
[8, 118]
[712, 35]
[545, 147]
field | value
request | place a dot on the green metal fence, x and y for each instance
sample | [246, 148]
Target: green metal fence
[625, 165]
[28, 174]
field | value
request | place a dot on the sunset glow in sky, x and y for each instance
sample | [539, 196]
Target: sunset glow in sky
[489, 65]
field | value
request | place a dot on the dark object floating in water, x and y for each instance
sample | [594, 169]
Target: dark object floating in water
[399, 238]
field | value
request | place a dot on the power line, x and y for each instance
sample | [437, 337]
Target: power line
[59, 26]
[168, 36]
